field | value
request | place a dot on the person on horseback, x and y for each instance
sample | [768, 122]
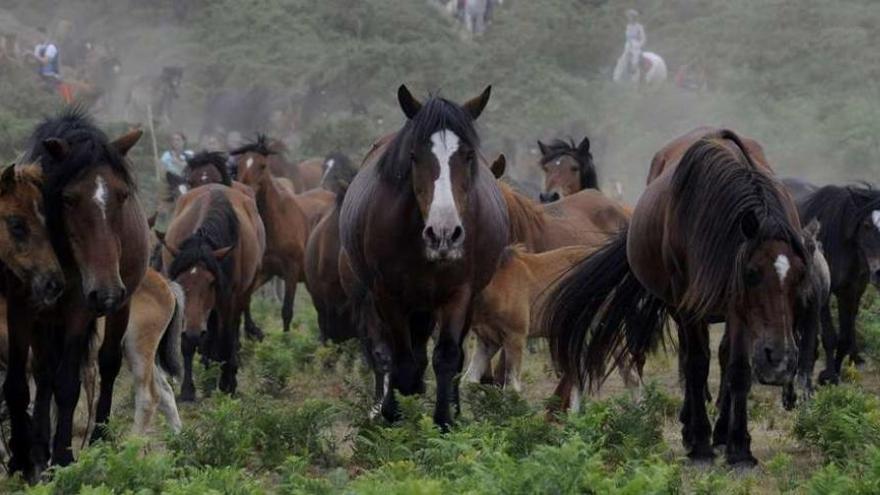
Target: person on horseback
[635, 41]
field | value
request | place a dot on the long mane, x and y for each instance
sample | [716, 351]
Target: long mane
[260, 146]
[88, 146]
[839, 210]
[714, 187]
[586, 168]
[219, 229]
[435, 115]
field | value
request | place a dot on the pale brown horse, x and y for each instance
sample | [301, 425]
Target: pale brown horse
[288, 219]
[214, 249]
[503, 314]
[714, 238]
[322, 257]
[424, 225]
[99, 232]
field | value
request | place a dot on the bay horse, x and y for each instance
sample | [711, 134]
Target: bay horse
[322, 257]
[504, 317]
[424, 225]
[850, 237]
[288, 218]
[567, 168]
[310, 172]
[713, 238]
[99, 232]
[214, 249]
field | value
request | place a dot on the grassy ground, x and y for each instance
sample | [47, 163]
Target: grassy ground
[298, 425]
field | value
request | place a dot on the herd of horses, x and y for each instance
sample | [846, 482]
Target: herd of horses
[424, 240]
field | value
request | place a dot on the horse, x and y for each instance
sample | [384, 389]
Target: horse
[322, 257]
[288, 218]
[310, 172]
[713, 238]
[503, 315]
[99, 232]
[214, 249]
[424, 225]
[206, 167]
[850, 237]
[652, 69]
[567, 168]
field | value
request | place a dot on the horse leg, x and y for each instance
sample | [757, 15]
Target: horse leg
[146, 396]
[167, 404]
[696, 429]
[251, 330]
[481, 361]
[514, 345]
[847, 309]
[188, 345]
[46, 356]
[109, 363]
[829, 343]
[289, 296]
[448, 354]
[500, 374]
[722, 404]
[421, 327]
[17, 393]
[809, 329]
[739, 380]
[67, 383]
[228, 350]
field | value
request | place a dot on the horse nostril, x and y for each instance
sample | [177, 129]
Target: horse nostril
[768, 353]
[430, 235]
[457, 234]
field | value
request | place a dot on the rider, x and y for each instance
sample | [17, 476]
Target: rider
[47, 54]
[635, 40]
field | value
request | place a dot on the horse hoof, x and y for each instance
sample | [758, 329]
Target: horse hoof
[254, 333]
[743, 462]
[827, 377]
[702, 455]
[857, 359]
[187, 396]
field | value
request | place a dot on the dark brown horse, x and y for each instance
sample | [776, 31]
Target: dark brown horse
[567, 169]
[206, 167]
[322, 257]
[424, 225]
[713, 238]
[99, 232]
[288, 218]
[214, 248]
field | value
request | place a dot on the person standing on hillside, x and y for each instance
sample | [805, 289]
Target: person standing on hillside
[46, 53]
[628, 63]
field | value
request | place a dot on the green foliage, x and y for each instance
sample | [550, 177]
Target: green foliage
[282, 430]
[840, 421]
[214, 480]
[219, 437]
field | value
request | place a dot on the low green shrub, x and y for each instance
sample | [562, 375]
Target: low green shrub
[840, 421]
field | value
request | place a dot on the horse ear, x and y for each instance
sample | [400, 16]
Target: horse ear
[125, 142]
[543, 148]
[7, 179]
[58, 148]
[161, 236]
[584, 147]
[476, 106]
[499, 165]
[221, 253]
[151, 220]
[750, 224]
[408, 103]
[812, 229]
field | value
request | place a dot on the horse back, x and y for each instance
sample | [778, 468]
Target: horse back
[669, 156]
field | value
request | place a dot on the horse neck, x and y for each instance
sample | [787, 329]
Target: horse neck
[526, 219]
[272, 206]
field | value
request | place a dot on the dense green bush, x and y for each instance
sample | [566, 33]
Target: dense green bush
[842, 422]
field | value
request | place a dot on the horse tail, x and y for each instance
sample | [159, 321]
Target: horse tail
[600, 314]
[168, 356]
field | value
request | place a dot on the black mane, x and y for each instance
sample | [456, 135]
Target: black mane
[839, 210]
[218, 230]
[214, 159]
[715, 188]
[261, 146]
[88, 147]
[558, 148]
[436, 114]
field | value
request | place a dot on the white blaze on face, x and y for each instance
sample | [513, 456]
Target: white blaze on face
[100, 196]
[329, 164]
[875, 216]
[782, 265]
[444, 144]
[249, 162]
[204, 176]
[39, 212]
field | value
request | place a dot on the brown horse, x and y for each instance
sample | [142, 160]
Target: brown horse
[713, 238]
[214, 249]
[310, 172]
[503, 315]
[288, 218]
[322, 257]
[99, 232]
[206, 167]
[424, 225]
[567, 169]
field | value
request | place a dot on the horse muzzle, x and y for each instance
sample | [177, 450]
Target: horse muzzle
[444, 243]
[774, 365]
[46, 289]
[105, 300]
[549, 197]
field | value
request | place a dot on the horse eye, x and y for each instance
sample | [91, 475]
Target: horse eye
[18, 228]
[574, 168]
[123, 195]
[68, 200]
[753, 277]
